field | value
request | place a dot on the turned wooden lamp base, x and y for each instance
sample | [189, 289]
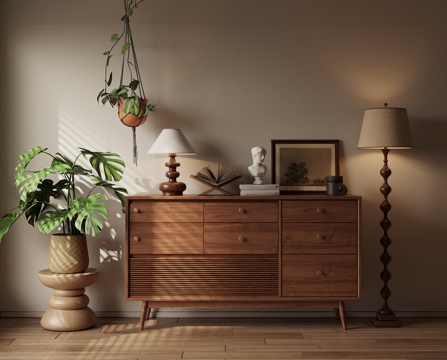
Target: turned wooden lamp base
[68, 305]
[172, 187]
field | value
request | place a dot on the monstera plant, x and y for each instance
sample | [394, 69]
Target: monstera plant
[66, 197]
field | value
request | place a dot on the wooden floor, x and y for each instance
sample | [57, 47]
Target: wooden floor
[226, 338]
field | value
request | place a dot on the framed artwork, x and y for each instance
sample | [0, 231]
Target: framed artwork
[302, 165]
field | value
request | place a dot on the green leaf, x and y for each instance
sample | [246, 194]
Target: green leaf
[106, 52]
[25, 159]
[125, 47]
[134, 84]
[110, 79]
[129, 12]
[6, 222]
[89, 213]
[50, 220]
[72, 168]
[122, 91]
[114, 38]
[128, 105]
[119, 192]
[107, 165]
[38, 200]
[29, 182]
[99, 95]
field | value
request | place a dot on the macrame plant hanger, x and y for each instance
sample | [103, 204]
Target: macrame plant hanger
[129, 39]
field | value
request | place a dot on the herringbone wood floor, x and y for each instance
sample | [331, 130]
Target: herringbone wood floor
[226, 338]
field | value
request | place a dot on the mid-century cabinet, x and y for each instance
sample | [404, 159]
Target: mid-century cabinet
[287, 251]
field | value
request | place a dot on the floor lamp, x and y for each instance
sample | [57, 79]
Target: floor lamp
[385, 129]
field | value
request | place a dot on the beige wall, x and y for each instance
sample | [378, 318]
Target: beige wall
[234, 74]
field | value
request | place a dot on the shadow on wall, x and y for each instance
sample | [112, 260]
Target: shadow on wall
[418, 231]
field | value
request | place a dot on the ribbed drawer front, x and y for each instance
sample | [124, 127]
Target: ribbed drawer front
[238, 211]
[320, 211]
[169, 211]
[203, 276]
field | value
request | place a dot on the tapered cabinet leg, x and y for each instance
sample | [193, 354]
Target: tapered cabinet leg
[144, 315]
[341, 311]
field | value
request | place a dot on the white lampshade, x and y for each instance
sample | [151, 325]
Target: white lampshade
[385, 128]
[171, 141]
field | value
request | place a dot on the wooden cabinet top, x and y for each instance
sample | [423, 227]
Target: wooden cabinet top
[154, 197]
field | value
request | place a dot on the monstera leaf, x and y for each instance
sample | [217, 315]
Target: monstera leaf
[50, 220]
[89, 213]
[108, 166]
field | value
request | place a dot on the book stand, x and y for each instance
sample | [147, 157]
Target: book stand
[217, 187]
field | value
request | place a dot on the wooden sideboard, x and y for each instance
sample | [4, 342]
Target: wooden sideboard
[287, 251]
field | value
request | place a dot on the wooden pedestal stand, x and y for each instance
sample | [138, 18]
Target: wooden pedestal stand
[68, 305]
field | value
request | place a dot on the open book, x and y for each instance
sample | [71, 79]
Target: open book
[224, 175]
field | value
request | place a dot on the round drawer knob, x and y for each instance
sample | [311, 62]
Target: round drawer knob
[241, 210]
[241, 238]
[319, 236]
[136, 210]
[319, 273]
[136, 238]
[319, 210]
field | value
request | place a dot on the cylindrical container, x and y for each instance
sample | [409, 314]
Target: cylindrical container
[335, 186]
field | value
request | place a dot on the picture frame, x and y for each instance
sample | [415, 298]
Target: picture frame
[302, 165]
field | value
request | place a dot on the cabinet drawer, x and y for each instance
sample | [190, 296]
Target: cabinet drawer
[166, 238]
[320, 275]
[323, 238]
[169, 211]
[319, 211]
[203, 276]
[241, 238]
[238, 211]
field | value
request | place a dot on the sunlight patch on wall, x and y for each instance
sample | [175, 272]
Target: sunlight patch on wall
[76, 132]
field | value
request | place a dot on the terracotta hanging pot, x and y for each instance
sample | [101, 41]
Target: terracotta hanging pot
[68, 254]
[132, 120]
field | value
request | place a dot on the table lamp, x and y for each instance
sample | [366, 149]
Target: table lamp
[385, 129]
[172, 142]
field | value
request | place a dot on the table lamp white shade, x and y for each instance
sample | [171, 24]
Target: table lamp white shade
[385, 128]
[171, 141]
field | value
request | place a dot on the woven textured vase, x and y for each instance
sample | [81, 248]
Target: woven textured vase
[68, 254]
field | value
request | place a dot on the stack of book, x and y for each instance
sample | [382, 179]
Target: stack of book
[259, 190]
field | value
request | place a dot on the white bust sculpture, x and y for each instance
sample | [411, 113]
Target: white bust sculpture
[257, 169]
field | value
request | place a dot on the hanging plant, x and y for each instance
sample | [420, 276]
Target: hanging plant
[133, 106]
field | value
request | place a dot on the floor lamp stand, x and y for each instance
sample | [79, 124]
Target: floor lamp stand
[385, 317]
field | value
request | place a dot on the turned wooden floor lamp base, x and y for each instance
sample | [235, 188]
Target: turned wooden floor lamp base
[68, 305]
[385, 317]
